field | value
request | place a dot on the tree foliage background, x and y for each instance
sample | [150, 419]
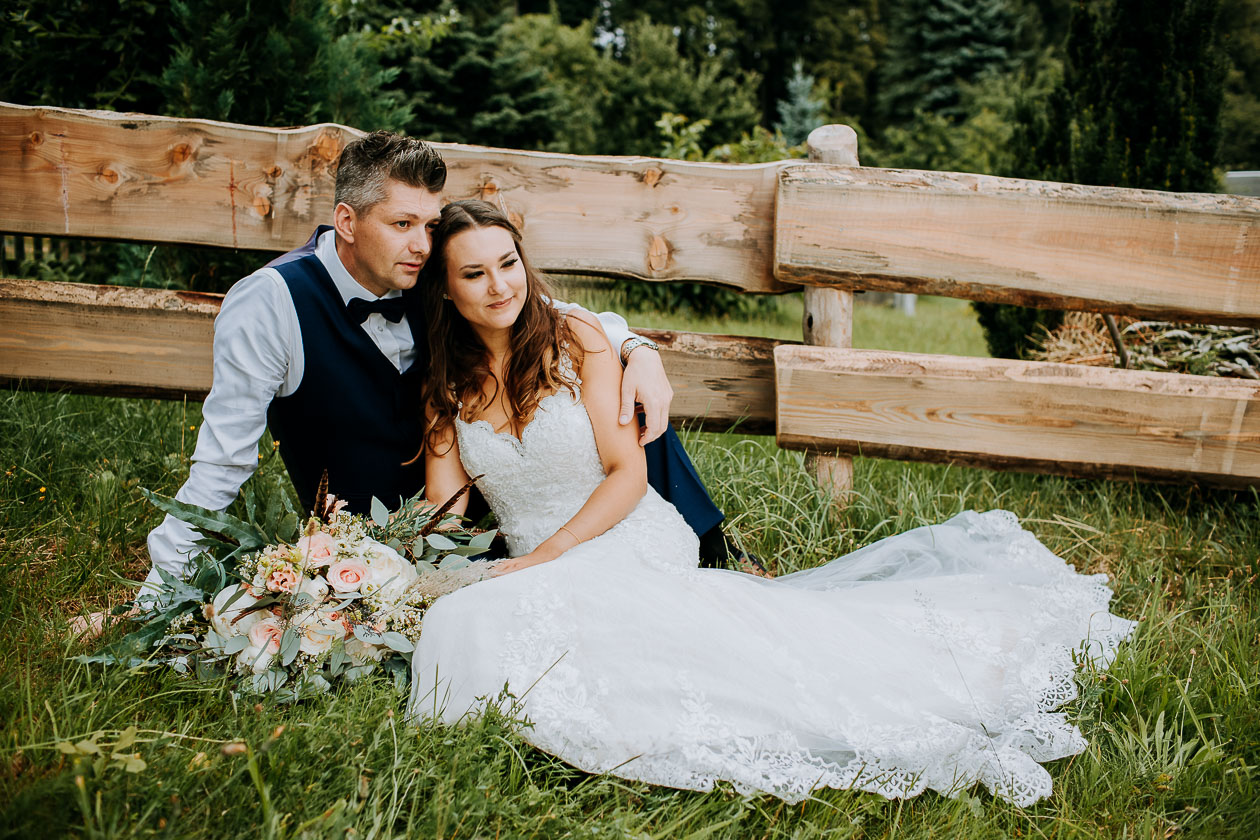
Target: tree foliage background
[1099, 91]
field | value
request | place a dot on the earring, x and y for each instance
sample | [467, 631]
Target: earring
[445, 296]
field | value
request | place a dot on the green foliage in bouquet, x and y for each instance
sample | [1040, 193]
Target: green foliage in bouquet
[291, 607]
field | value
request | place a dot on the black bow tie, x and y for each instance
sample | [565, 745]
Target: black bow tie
[392, 308]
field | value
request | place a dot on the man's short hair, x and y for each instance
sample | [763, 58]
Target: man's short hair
[367, 163]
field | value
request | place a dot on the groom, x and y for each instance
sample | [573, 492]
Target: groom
[326, 346]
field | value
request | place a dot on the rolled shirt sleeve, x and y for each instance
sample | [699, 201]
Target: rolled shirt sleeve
[615, 327]
[254, 337]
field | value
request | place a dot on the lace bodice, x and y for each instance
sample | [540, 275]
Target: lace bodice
[540, 481]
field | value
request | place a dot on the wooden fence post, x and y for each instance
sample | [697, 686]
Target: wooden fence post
[828, 318]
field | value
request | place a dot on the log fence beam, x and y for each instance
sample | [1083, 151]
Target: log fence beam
[1148, 254]
[1041, 417]
[121, 341]
[108, 175]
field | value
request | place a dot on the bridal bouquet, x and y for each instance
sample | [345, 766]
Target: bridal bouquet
[289, 609]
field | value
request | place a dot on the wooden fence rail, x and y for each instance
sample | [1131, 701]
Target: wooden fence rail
[157, 343]
[763, 228]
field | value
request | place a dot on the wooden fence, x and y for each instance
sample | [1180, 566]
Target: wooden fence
[827, 225]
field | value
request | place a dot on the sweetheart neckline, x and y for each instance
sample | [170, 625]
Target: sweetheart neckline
[517, 443]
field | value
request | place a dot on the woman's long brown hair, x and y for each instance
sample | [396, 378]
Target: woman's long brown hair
[459, 363]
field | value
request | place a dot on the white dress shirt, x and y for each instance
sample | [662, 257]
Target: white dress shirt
[258, 357]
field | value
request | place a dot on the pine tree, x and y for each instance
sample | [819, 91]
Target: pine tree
[1139, 106]
[801, 112]
[273, 62]
[1140, 101]
[936, 47]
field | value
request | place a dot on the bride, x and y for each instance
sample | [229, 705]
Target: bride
[932, 659]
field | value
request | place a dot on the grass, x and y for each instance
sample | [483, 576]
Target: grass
[1174, 727]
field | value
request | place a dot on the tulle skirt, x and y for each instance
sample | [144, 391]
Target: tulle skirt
[932, 659]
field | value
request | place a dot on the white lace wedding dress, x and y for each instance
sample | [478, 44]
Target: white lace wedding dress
[932, 659]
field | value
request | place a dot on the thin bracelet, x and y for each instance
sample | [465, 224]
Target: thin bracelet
[571, 534]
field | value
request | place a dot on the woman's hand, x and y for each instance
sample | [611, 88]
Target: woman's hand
[644, 381]
[515, 564]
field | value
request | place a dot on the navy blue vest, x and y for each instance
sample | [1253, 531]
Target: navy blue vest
[353, 414]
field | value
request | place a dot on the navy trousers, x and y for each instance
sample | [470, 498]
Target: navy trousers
[671, 474]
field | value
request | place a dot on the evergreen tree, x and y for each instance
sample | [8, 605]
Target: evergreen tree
[273, 62]
[936, 48]
[1240, 117]
[1140, 101]
[801, 112]
[1139, 106]
[839, 40]
[470, 84]
[83, 53]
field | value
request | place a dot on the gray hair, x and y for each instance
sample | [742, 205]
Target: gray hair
[367, 163]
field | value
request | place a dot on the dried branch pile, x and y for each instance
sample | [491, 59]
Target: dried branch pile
[1156, 345]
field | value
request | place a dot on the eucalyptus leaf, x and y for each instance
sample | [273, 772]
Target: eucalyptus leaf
[214, 522]
[451, 562]
[483, 540]
[441, 542]
[236, 596]
[380, 513]
[338, 658]
[290, 643]
[367, 635]
[236, 644]
[397, 641]
[287, 530]
[250, 498]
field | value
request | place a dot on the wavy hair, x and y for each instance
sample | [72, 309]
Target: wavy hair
[459, 364]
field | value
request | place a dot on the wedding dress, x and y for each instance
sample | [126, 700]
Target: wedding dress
[932, 659]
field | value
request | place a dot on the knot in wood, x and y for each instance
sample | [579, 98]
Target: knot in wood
[275, 172]
[658, 254]
[652, 177]
[180, 153]
[488, 190]
[35, 139]
[326, 147]
[107, 175]
[262, 205]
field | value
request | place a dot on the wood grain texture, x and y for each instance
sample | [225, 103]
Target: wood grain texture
[827, 318]
[106, 339]
[154, 343]
[1033, 243]
[156, 179]
[1028, 416]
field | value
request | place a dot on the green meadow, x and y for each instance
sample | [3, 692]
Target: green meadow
[1174, 726]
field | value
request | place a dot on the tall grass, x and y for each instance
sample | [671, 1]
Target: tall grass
[1174, 726]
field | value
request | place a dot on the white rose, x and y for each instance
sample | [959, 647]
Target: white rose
[316, 587]
[227, 620]
[255, 658]
[361, 653]
[389, 573]
[317, 630]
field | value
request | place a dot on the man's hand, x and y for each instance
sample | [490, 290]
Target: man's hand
[644, 381]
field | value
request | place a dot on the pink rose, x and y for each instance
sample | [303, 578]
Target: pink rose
[347, 575]
[318, 549]
[266, 634]
[283, 580]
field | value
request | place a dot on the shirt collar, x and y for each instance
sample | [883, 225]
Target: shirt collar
[347, 286]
